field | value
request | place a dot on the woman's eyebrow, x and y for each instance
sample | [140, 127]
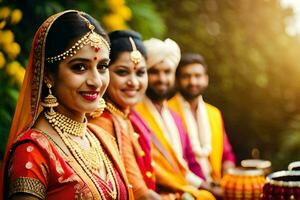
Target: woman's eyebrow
[79, 59]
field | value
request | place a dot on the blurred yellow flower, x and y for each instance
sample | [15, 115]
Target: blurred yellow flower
[123, 11]
[19, 76]
[2, 24]
[6, 37]
[115, 3]
[4, 12]
[2, 60]
[13, 68]
[114, 22]
[16, 16]
[13, 49]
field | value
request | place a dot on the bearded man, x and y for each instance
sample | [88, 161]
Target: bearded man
[204, 122]
[176, 168]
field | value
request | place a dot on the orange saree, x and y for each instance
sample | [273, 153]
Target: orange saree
[121, 129]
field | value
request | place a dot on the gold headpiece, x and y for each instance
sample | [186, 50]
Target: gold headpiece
[92, 38]
[135, 55]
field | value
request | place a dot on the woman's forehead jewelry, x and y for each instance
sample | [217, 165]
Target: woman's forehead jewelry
[135, 55]
[90, 38]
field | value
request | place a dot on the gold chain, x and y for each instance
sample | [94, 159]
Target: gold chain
[90, 159]
[114, 110]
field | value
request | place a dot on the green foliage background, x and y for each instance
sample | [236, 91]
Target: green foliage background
[253, 63]
[253, 67]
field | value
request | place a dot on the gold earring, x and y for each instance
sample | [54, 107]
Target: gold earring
[99, 110]
[50, 101]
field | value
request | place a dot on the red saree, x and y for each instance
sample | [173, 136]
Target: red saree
[39, 167]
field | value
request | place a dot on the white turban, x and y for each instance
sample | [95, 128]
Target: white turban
[158, 51]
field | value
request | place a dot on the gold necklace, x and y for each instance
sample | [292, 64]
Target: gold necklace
[90, 159]
[91, 156]
[91, 165]
[114, 110]
[66, 124]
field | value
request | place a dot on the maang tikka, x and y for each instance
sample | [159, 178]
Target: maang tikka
[90, 38]
[135, 55]
[50, 101]
[100, 109]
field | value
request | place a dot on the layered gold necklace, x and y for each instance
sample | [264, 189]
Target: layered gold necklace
[90, 159]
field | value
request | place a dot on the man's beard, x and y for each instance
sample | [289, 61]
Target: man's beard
[188, 95]
[156, 96]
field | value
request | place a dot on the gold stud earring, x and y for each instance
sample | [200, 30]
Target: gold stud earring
[50, 101]
[100, 109]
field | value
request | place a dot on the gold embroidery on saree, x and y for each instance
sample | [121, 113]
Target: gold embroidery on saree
[71, 178]
[37, 65]
[44, 142]
[45, 170]
[82, 191]
[27, 185]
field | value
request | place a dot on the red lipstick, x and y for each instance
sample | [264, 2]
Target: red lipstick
[90, 96]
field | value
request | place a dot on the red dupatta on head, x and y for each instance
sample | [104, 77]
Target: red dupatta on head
[28, 106]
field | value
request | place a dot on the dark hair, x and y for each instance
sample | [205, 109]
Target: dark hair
[64, 32]
[120, 43]
[190, 58]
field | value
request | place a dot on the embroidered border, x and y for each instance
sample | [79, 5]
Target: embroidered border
[28, 185]
[38, 65]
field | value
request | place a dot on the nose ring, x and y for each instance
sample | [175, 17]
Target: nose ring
[129, 82]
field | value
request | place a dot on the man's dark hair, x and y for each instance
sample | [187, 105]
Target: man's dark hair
[190, 58]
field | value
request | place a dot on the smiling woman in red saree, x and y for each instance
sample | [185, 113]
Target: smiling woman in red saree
[52, 152]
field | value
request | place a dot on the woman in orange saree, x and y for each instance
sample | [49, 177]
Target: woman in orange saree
[128, 82]
[52, 152]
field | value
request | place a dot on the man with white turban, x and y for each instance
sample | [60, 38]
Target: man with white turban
[158, 51]
[176, 168]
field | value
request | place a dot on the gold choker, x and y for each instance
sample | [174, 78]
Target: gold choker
[66, 124]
